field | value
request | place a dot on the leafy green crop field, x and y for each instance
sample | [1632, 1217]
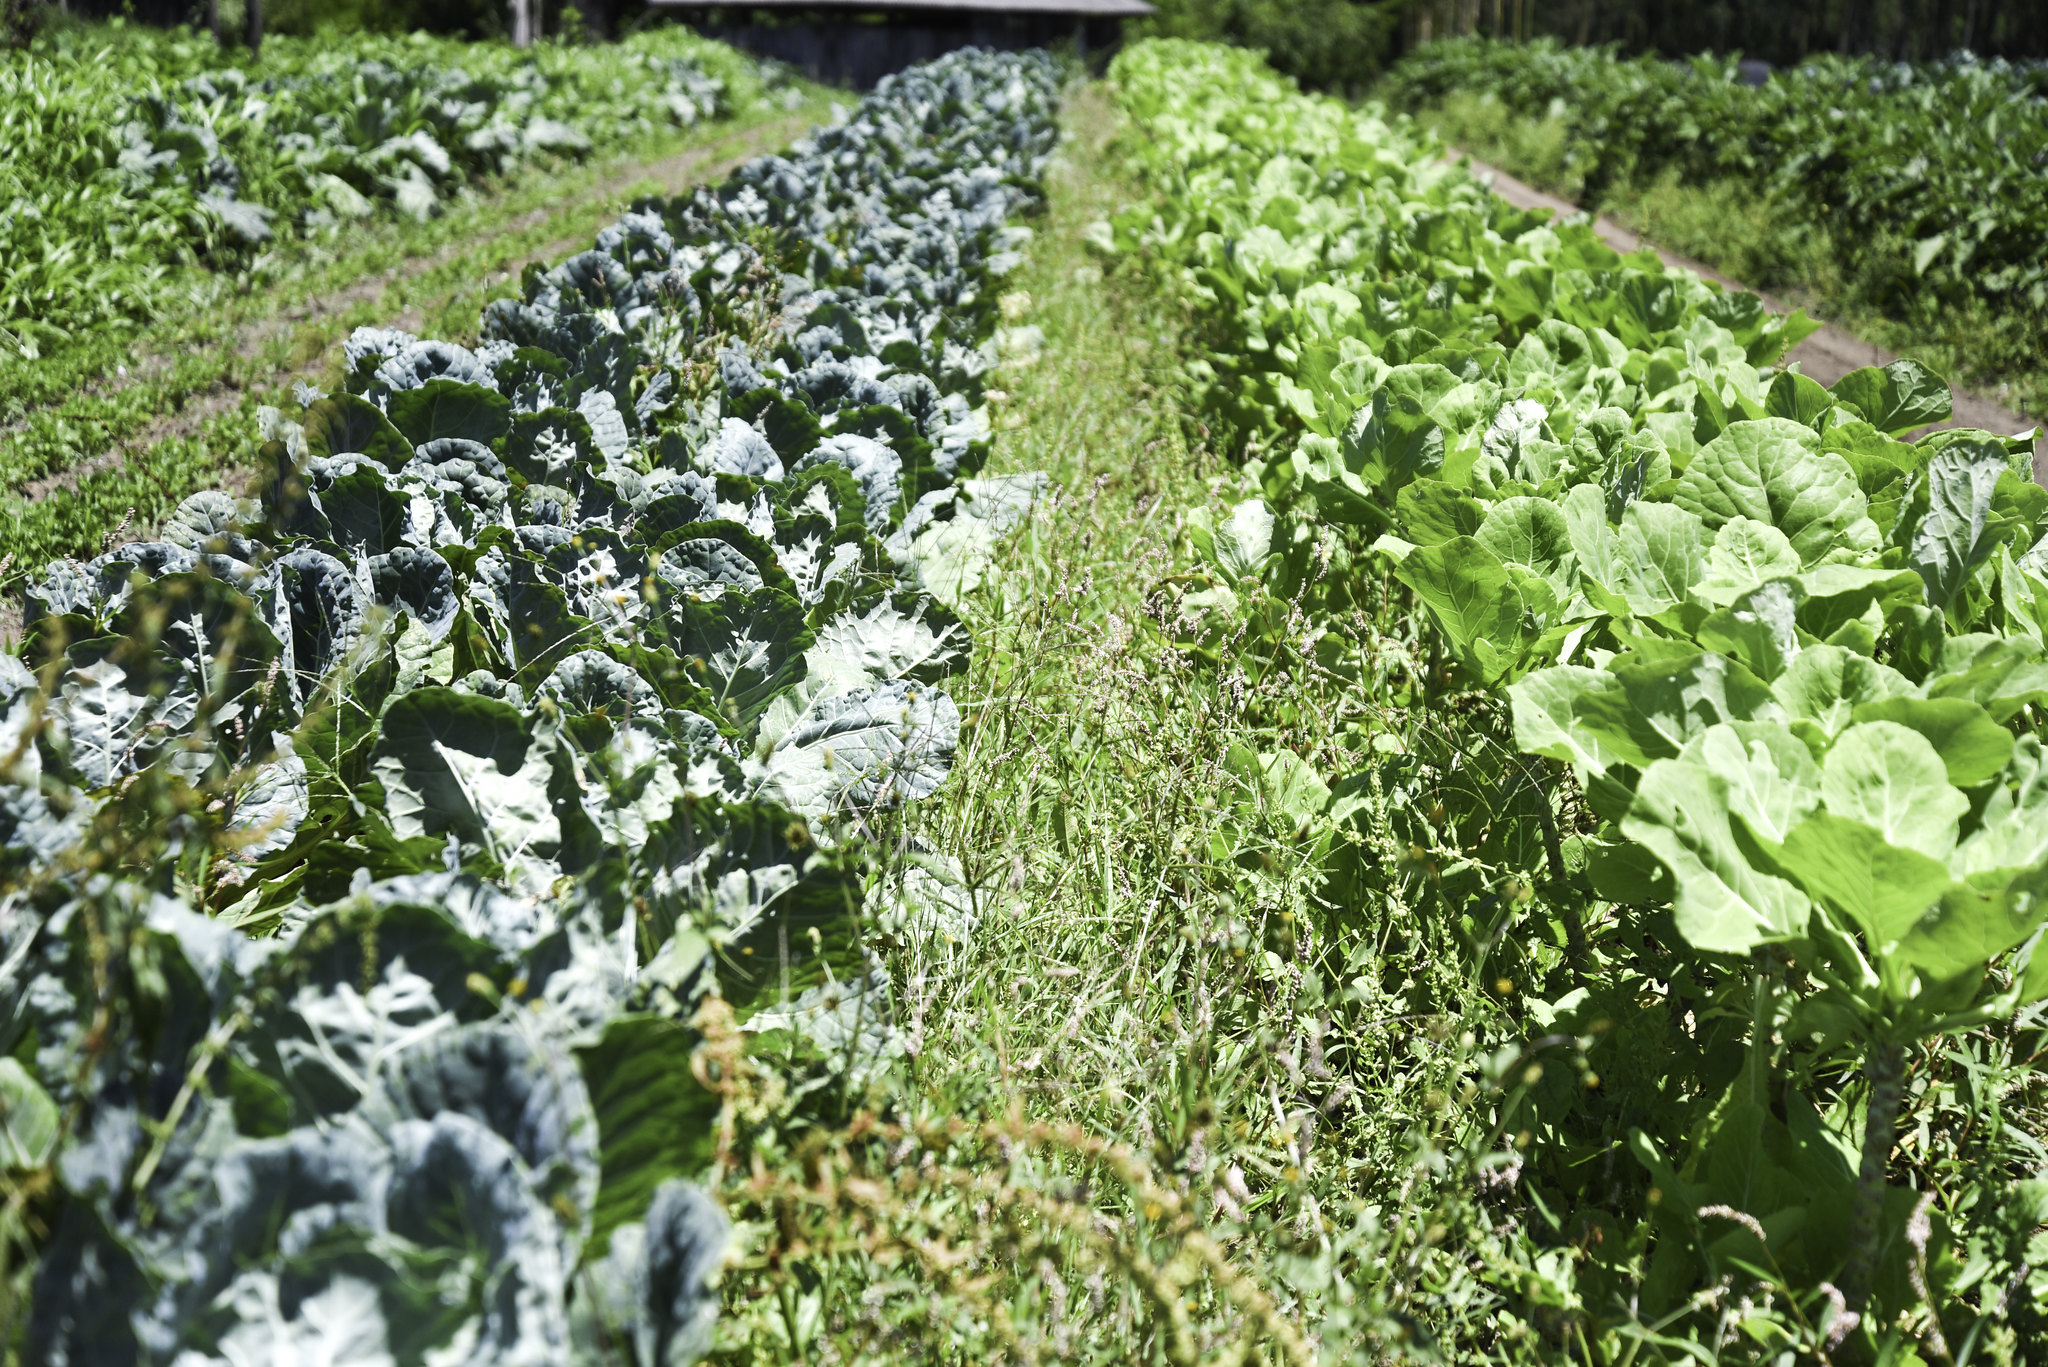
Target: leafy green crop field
[1073, 721]
[1702, 711]
[113, 417]
[149, 171]
[1904, 198]
[519, 738]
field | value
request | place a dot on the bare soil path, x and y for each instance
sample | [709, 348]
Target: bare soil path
[1826, 356]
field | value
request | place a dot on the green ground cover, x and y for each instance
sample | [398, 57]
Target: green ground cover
[1899, 199]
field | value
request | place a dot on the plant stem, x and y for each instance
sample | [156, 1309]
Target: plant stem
[1884, 1066]
[1553, 849]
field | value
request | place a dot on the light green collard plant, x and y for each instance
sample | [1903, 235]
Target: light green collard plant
[1793, 659]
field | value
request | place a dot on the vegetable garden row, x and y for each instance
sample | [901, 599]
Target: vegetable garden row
[124, 162]
[182, 235]
[378, 848]
[1926, 177]
[1706, 707]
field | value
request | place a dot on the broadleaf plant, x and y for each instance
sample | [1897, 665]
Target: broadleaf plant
[1775, 676]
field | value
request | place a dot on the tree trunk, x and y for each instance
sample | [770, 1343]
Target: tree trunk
[522, 23]
[1884, 1064]
[255, 13]
[213, 20]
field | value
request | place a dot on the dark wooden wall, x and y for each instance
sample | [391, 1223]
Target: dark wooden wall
[858, 50]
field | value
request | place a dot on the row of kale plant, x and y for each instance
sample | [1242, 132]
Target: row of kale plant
[377, 850]
[1701, 707]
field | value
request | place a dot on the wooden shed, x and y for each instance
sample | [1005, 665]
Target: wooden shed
[857, 42]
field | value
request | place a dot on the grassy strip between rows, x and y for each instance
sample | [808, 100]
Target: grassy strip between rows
[178, 401]
[1144, 1116]
[1694, 717]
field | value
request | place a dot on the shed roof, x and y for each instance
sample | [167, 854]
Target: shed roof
[1105, 9]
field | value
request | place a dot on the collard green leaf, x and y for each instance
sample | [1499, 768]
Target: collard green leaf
[1973, 748]
[448, 408]
[877, 469]
[738, 448]
[1660, 552]
[523, 1090]
[364, 511]
[1794, 396]
[547, 447]
[1240, 543]
[209, 518]
[706, 566]
[744, 648]
[1773, 471]
[1898, 398]
[957, 556]
[1976, 921]
[104, 726]
[1576, 714]
[540, 625]
[1760, 628]
[1531, 532]
[268, 808]
[1999, 675]
[2012, 829]
[1893, 780]
[1771, 778]
[363, 984]
[856, 650]
[656, 1120]
[1947, 527]
[455, 1184]
[1838, 596]
[1431, 511]
[1392, 442]
[421, 583]
[1282, 784]
[1473, 601]
[1866, 880]
[1672, 701]
[347, 423]
[1723, 902]
[683, 1250]
[1827, 684]
[1746, 553]
[873, 748]
[455, 762]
